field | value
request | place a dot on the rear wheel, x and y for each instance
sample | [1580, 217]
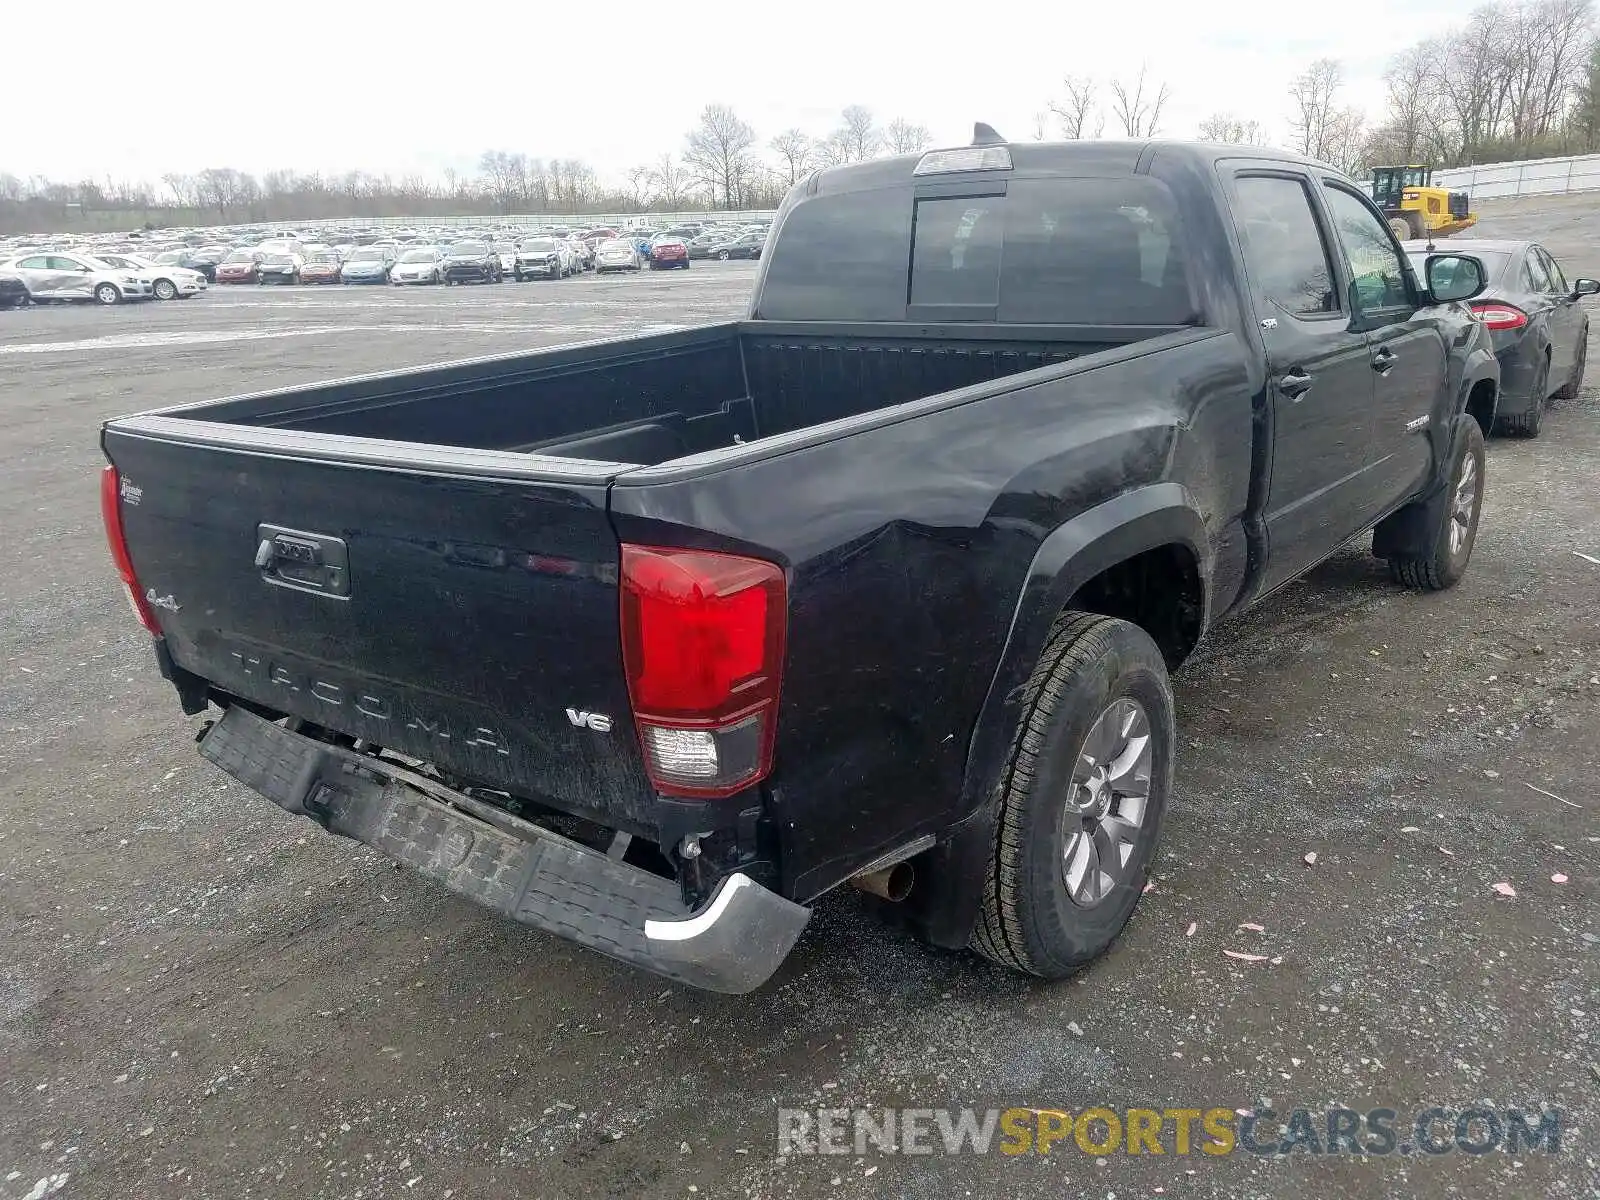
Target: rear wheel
[1081, 799]
[107, 293]
[1455, 529]
[723, 256]
[1527, 424]
[1570, 389]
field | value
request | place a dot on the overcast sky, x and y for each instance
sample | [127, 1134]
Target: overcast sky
[331, 85]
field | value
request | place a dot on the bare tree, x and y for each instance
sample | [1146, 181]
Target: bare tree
[181, 186]
[1412, 129]
[831, 151]
[223, 188]
[671, 181]
[857, 137]
[1040, 125]
[903, 137]
[1076, 109]
[1225, 127]
[1545, 53]
[795, 151]
[504, 178]
[1347, 140]
[1136, 107]
[1584, 123]
[641, 187]
[718, 153]
[1323, 128]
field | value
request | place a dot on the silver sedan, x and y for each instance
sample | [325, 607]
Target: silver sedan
[618, 254]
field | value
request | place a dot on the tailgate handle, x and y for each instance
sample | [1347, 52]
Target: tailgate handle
[307, 562]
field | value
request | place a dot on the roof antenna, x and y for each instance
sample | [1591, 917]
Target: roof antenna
[985, 135]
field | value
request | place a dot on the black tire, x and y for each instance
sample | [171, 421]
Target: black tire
[108, 294]
[1028, 920]
[1526, 425]
[723, 256]
[165, 289]
[1447, 562]
[1574, 383]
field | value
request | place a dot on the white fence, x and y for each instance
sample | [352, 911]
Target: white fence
[1536, 177]
[652, 220]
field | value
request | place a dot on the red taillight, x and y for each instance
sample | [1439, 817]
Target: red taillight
[1500, 316]
[702, 644]
[111, 513]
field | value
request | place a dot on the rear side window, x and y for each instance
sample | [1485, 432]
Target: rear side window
[840, 258]
[1558, 281]
[1534, 275]
[956, 250]
[1059, 251]
[1283, 248]
[1094, 252]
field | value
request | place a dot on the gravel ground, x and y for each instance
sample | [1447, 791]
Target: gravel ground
[201, 996]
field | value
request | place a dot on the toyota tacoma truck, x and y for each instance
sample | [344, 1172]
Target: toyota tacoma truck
[650, 642]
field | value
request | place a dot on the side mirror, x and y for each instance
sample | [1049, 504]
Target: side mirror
[1586, 287]
[1452, 277]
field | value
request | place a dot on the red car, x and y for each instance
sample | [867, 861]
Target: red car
[322, 267]
[241, 266]
[669, 252]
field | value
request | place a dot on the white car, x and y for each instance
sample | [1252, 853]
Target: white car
[73, 276]
[167, 281]
[542, 257]
[619, 254]
[419, 264]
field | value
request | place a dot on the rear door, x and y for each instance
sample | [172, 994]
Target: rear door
[1541, 309]
[36, 273]
[1408, 360]
[1320, 392]
[462, 610]
[1566, 319]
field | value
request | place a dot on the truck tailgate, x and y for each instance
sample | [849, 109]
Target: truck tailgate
[463, 613]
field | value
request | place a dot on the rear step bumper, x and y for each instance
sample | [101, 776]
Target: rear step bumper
[732, 944]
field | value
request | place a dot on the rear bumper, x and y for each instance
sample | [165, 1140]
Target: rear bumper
[732, 944]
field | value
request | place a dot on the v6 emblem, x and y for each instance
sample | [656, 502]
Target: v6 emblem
[598, 722]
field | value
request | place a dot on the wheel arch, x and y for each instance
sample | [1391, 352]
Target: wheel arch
[1113, 543]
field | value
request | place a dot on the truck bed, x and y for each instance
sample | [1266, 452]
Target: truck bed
[649, 400]
[428, 561]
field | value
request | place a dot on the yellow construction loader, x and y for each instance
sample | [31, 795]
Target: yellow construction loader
[1417, 209]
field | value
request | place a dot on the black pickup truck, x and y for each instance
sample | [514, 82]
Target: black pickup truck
[651, 642]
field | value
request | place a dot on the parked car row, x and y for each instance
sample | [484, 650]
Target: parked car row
[111, 269]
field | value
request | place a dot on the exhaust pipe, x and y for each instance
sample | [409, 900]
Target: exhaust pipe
[893, 883]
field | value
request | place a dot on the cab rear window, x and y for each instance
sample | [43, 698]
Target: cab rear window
[1053, 251]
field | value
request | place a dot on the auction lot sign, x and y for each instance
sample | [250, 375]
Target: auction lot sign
[1216, 1132]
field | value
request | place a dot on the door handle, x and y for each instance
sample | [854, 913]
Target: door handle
[1295, 384]
[1384, 360]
